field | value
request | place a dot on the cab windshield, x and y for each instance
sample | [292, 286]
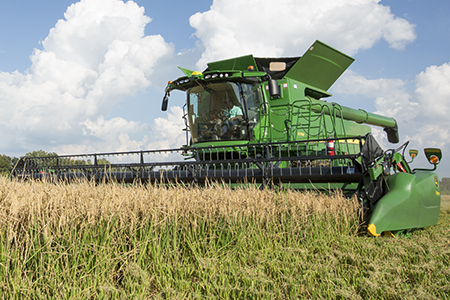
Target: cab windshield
[217, 111]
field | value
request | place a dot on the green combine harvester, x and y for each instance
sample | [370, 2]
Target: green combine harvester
[263, 121]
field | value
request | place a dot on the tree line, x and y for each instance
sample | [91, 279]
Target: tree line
[445, 186]
[7, 162]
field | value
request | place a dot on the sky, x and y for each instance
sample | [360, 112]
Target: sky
[89, 76]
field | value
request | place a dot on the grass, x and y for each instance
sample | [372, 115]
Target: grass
[82, 241]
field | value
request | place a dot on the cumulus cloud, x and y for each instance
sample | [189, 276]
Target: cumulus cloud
[167, 132]
[91, 60]
[391, 96]
[433, 92]
[115, 135]
[432, 122]
[287, 27]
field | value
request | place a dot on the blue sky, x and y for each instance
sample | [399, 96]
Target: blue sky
[73, 81]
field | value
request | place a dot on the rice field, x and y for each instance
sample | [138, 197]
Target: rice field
[87, 241]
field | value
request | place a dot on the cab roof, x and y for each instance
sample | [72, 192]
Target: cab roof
[319, 67]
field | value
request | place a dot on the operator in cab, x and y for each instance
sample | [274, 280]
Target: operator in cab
[234, 116]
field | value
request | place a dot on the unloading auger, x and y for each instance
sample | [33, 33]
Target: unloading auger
[263, 121]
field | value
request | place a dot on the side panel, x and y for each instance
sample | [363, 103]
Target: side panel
[296, 117]
[413, 201]
[320, 66]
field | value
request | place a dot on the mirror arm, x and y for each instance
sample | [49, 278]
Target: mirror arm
[420, 169]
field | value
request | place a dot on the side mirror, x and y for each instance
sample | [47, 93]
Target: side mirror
[434, 155]
[274, 89]
[413, 154]
[165, 102]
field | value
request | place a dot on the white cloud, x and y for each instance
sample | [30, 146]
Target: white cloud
[90, 61]
[391, 97]
[287, 27]
[115, 135]
[432, 123]
[433, 92]
[167, 132]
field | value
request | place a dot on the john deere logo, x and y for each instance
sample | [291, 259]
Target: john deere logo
[436, 182]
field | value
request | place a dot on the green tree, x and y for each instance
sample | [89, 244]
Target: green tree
[52, 159]
[103, 161]
[445, 186]
[40, 153]
[6, 163]
[42, 161]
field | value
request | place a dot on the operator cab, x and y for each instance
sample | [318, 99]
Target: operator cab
[223, 111]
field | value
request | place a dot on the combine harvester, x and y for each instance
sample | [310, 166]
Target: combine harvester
[263, 121]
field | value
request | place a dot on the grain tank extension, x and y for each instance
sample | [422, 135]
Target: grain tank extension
[266, 121]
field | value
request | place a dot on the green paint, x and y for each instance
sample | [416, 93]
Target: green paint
[412, 201]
